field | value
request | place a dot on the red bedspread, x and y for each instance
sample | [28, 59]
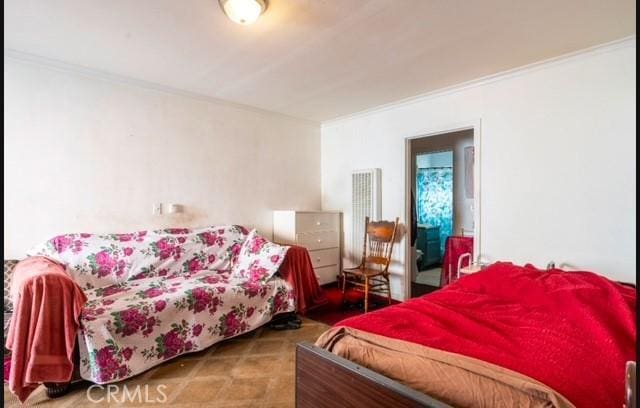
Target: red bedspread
[572, 331]
[297, 269]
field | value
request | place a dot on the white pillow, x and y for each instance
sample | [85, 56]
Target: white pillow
[259, 259]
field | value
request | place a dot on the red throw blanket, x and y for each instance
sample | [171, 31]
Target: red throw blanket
[454, 248]
[42, 331]
[297, 269]
[572, 331]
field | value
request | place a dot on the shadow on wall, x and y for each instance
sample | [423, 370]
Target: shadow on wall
[401, 233]
[105, 222]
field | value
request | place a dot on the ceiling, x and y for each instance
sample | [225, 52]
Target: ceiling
[312, 59]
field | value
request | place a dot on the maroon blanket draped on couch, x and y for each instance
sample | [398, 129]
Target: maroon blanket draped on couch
[297, 269]
[42, 334]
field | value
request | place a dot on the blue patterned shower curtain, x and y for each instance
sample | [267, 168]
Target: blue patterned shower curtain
[435, 200]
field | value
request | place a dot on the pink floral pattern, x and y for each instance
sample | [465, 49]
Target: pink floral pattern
[109, 363]
[180, 339]
[158, 321]
[232, 323]
[259, 259]
[155, 295]
[101, 260]
[134, 319]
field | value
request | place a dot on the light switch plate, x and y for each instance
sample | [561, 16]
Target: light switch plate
[157, 209]
[174, 208]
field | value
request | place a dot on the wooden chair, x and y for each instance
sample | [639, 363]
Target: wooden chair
[373, 272]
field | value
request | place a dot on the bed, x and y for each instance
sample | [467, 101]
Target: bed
[507, 336]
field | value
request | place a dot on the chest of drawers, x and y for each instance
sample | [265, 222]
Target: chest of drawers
[429, 243]
[319, 232]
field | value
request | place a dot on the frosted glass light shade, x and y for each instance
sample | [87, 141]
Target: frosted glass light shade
[243, 11]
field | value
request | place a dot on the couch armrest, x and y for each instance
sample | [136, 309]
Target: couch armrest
[9, 264]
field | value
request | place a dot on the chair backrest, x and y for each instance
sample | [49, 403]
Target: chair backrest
[379, 237]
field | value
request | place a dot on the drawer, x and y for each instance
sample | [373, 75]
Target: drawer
[318, 240]
[433, 250]
[311, 222]
[433, 233]
[325, 257]
[326, 274]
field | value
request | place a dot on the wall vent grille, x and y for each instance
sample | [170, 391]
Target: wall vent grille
[365, 201]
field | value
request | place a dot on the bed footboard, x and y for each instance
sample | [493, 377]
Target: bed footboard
[631, 386]
[326, 380]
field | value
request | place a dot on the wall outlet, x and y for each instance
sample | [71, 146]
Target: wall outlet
[157, 209]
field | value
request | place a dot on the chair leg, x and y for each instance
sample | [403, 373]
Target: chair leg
[388, 289]
[344, 282]
[366, 294]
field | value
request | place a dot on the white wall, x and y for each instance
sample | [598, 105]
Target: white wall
[86, 154]
[557, 160]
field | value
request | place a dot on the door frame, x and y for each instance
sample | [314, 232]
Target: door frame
[475, 126]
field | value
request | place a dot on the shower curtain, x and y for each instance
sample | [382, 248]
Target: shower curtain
[435, 200]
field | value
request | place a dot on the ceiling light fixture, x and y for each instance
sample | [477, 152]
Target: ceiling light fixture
[243, 11]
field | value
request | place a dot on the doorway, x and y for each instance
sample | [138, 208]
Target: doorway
[441, 193]
[434, 212]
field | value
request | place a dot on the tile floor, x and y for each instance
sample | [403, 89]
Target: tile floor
[254, 370]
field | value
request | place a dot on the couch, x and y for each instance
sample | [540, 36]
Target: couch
[155, 295]
[9, 264]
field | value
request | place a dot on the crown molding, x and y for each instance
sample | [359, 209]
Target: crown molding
[624, 42]
[500, 76]
[57, 65]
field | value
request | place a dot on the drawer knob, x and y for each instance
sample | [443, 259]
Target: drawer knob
[319, 240]
[318, 223]
[318, 259]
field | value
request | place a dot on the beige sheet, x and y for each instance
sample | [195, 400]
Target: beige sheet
[452, 378]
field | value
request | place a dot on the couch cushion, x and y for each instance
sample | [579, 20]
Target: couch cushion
[259, 259]
[95, 260]
[132, 326]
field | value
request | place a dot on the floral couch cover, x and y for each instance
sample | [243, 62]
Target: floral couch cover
[154, 295]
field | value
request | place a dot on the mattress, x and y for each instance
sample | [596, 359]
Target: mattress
[451, 378]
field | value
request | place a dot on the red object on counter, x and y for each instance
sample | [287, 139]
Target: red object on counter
[455, 247]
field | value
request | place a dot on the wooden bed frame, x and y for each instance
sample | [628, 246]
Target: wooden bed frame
[325, 380]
